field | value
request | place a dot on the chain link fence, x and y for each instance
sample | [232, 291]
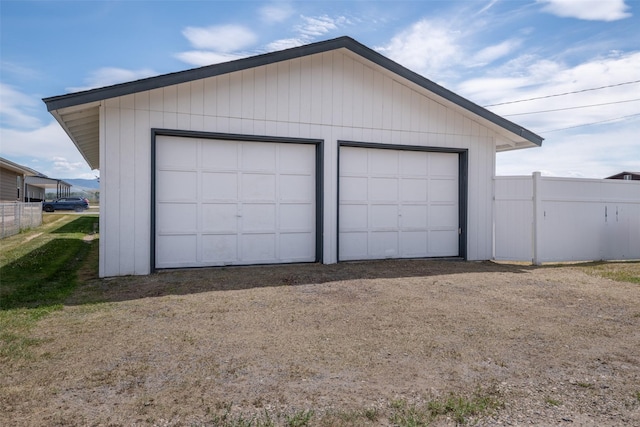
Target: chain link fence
[15, 217]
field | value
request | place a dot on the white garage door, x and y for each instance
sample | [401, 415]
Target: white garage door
[397, 204]
[233, 202]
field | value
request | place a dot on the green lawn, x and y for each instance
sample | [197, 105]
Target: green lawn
[38, 271]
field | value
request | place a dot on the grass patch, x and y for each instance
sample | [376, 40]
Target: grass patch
[551, 401]
[459, 408]
[38, 270]
[619, 271]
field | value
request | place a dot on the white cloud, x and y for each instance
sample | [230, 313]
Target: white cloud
[285, 44]
[17, 108]
[536, 78]
[108, 76]
[585, 154]
[61, 165]
[317, 26]
[276, 12]
[220, 38]
[201, 58]
[491, 53]
[591, 10]
[225, 43]
[308, 30]
[427, 47]
[47, 149]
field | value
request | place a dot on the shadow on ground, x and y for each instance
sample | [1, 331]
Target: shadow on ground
[191, 281]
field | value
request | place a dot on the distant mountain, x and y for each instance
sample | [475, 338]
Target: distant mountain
[83, 184]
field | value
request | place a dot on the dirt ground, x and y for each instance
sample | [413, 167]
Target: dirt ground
[552, 345]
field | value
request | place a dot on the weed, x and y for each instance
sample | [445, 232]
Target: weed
[551, 401]
[584, 385]
[459, 408]
[409, 416]
[371, 414]
[299, 419]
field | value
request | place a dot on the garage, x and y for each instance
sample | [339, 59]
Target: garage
[398, 203]
[325, 152]
[233, 201]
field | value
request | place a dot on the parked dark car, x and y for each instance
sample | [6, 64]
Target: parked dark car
[77, 204]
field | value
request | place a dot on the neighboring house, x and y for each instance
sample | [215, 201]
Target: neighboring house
[22, 184]
[632, 176]
[320, 153]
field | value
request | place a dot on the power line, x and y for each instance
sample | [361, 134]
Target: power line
[571, 108]
[592, 123]
[562, 94]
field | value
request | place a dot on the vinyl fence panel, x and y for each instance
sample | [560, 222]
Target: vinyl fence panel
[550, 219]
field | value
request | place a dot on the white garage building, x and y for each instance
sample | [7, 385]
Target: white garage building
[322, 153]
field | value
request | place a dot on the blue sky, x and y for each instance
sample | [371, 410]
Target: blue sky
[491, 52]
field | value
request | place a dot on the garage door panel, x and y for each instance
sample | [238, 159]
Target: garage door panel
[415, 216]
[384, 216]
[414, 163]
[443, 242]
[410, 195]
[258, 217]
[295, 217]
[383, 163]
[177, 185]
[414, 243]
[219, 186]
[443, 190]
[177, 217]
[383, 189]
[220, 218]
[296, 158]
[443, 164]
[256, 186]
[352, 162]
[174, 249]
[353, 245]
[258, 248]
[220, 155]
[176, 153]
[219, 249]
[234, 202]
[353, 217]
[443, 216]
[296, 188]
[383, 244]
[413, 190]
[258, 156]
[354, 189]
[297, 246]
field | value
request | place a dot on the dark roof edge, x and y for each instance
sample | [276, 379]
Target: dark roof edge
[85, 97]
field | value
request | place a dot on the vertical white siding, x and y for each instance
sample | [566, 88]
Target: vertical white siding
[331, 96]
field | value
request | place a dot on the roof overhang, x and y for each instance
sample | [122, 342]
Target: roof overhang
[79, 115]
[44, 182]
[19, 169]
[82, 124]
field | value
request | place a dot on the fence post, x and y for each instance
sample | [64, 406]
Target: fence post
[538, 217]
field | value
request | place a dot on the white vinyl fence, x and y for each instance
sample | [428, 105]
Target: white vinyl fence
[547, 219]
[19, 216]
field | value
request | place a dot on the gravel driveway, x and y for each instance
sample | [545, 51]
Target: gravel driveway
[347, 344]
